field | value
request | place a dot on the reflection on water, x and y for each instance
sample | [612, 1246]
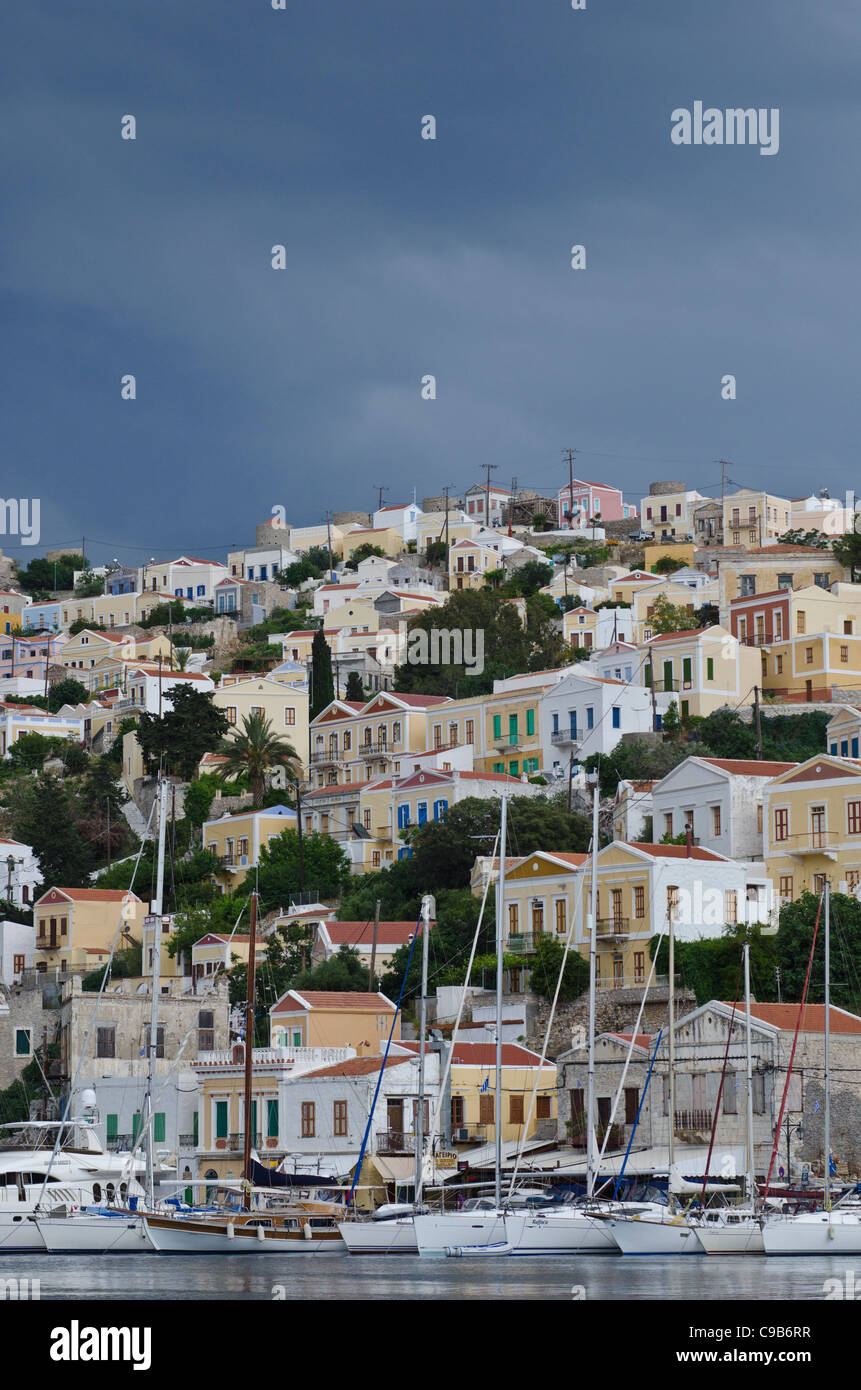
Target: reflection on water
[323, 1275]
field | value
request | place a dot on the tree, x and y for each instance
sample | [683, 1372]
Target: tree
[711, 967]
[193, 726]
[40, 574]
[42, 816]
[89, 585]
[529, 578]
[507, 645]
[67, 692]
[355, 690]
[668, 564]
[309, 566]
[847, 550]
[342, 972]
[163, 614]
[199, 797]
[254, 751]
[670, 617]
[30, 750]
[363, 552]
[436, 553]
[546, 964]
[322, 684]
[795, 938]
[813, 540]
[325, 868]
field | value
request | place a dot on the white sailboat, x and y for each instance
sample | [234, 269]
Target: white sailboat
[833, 1230]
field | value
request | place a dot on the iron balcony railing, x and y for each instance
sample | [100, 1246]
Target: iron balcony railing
[613, 926]
[693, 1119]
[560, 736]
[666, 686]
[522, 943]
[395, 1141]
[331, 755]
[376, 750]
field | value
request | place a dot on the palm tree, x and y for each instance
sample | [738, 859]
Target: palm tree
[255, 749]
[181, 656]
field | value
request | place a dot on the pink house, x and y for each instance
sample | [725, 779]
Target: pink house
[580, 501]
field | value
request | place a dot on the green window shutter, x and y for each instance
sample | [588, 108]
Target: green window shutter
[668, 675]
[136, 1124]
[195, 1119]
[253, 1118]
[512, 728]
[497, 725]
[112, 1130]
[221, 1119]
[710, 668]
[530, 721]
[514, 768]
[272, 1118]
[686, 668]
[647, 673]
[158, 1128]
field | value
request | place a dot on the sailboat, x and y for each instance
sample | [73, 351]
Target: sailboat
[835, 1230]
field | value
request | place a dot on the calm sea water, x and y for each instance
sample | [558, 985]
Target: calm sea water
[325, 1275]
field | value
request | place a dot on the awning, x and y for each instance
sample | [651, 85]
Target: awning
[394, 1169]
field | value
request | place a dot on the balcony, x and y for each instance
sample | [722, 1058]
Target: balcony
[328, 758]
[668, 687]
[394, 1141]
[564, 738]
[522, 943]
[760, 639]
[188, 1141]
[700, 1120]
[822, 842]
[613, 926]
[376, 750]
[470, 1134]
[506, 743]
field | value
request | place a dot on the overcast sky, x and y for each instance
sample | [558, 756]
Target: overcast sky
[407, 257]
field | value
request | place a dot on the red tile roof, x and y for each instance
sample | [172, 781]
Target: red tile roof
[357, 1066]
[677, 851]
[332, 999]
[354, 933]
[750, 767]
[640, 1039]
[686, 632]
[474, 1054]
[785, 1016]
[94, 895]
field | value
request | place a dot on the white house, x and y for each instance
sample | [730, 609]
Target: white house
[19, 872]
[259, 562]
[16, 720]
[402, 518]
[632, 807]
[720, 798]
[585, 714]
[17, 946]
[843, 734]
[185, 577]
[150, 689]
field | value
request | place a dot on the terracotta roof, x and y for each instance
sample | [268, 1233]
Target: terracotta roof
[295, 1000]
[419, 701]
[93, 895]
[357, 1066]
[686, 632]
[475, 1054]
[353, 933]
[785, 1016]
[643, 786]
[752, 767]
[677, 851]
[640, 1039]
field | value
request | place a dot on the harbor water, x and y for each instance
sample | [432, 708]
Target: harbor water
[322, 1275]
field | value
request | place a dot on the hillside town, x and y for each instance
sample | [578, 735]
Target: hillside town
[338, 712]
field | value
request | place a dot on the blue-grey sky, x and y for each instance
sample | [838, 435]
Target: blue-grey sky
[301, 388]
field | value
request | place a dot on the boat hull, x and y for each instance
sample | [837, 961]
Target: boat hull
[396, 1237]
[561, 1233]
[639, 1237]
[814, 1233]
[743, 1238]
[88, 1234]
[438, 1233]
[19, 1233]
[174, 1236]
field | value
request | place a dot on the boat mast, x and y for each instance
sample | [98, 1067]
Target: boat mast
[500, 932]
[249, 1052]
[827, 1187]
[155, 915]
[593, 964]
[671, 1050]
[751, 1170]
[428, 910]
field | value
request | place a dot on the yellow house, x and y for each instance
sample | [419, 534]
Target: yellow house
[473, 1091]
[807, 667]
[332, 1018]
[113, 610]
[755, 518]
[677, 550]
[352, 742]
[218, 951]
[678, 594]
[703, 669]
[469, 563]
[512, 731]
[385, 538]
[540, 898]
[627, 586]
[354, 616]
[578, 627]
[305, 538]
[668, 515]
[220, 1127]
[76, 927]
[812, 827]
[284, 705]
[236, 840]
[90, 647]
[431, 527]
[12, 606]
[746, 573]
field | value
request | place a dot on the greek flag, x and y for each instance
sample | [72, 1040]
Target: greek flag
[832, 1166]
[485, 1085]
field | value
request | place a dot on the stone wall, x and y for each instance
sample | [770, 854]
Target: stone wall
[20, 1008]
[616, 1011]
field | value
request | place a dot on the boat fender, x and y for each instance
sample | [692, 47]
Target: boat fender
[231, 1231]
[454, 1250]
[307, 1232]
[261, 1234]
[830, 1232]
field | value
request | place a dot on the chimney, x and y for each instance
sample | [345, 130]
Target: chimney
[689, 840]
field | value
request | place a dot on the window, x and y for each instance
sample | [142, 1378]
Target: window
[731, 905]
[716, 820]
[844, 654]
[22, 1042]
[470, 731]
[497, 726]
[729, 1094]
[781, 824]
[786, 887]
[537, 918]
[530, 721]
[339, 1127]
[590, 717]
[106, 1042]
[808, 655]
[230, 714]
[854, 817]
[748, 585]
[111, 1127]
[821, 580]
[632, 1104]
[486, 1109]
[673, 902]
[309, 1126]
[560, 916]
[668, 823]
[515, 1110]
[221, 1119]
[18, 962]
[513, 911]
[639, 967]
[290, 717]
[206, 1031]
[617, 717]
[639, 901]
[801, 621]
[158, 1127]
[543, 1107]
[457, 1112]
[159, 1040]
[778, 665]
[759, 819]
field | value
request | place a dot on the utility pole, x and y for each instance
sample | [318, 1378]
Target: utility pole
[569, 453]
[652, 688]
[570, 777]
[329, 534]
[757, 722]
[249, 1048]
[491, 468]
[381, 488]
[374, 947]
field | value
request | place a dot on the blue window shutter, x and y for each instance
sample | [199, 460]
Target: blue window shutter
[844, 748]
[855, 748]
[834, 750]
[617, 717]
